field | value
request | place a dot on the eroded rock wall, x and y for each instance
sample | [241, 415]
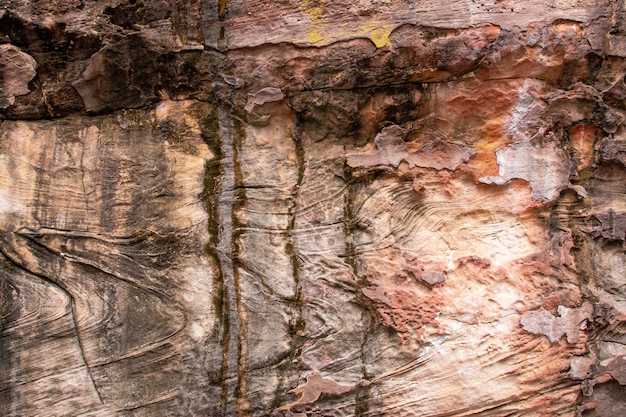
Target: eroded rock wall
[335, 208]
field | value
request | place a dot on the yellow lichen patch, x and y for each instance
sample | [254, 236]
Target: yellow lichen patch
[315, 13]
[315, 36]
[316, 17]
[378, 32]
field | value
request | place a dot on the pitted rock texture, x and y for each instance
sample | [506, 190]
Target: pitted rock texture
[315, 208]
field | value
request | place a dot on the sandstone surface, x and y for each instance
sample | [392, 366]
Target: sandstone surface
[313, 208]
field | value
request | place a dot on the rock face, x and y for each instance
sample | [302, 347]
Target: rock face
[312, 208]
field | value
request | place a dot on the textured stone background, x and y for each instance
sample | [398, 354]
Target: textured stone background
[312, 208]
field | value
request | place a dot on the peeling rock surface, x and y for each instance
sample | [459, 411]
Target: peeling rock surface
[313, 208]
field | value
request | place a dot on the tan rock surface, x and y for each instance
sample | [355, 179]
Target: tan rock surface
[315, 208]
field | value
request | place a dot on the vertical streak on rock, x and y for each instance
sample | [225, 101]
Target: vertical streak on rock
[224, 251]
[39, 211]
[211, 197]
[231, 196]
[363, 394]
[242, 388]
[221, 9]
[298, 323]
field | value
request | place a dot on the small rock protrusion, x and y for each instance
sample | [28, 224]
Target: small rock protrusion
[434, 277]
[17, 68]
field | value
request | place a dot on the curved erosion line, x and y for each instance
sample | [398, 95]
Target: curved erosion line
[72, 311]
[82, 261]
[162, 398]
[322, 201]
[41, 378]
[143, 349]
[26, 320]
[289, 230]
[153, 292]
[567, 387]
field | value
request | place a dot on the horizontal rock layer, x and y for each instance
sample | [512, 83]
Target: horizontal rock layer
[312, 208]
